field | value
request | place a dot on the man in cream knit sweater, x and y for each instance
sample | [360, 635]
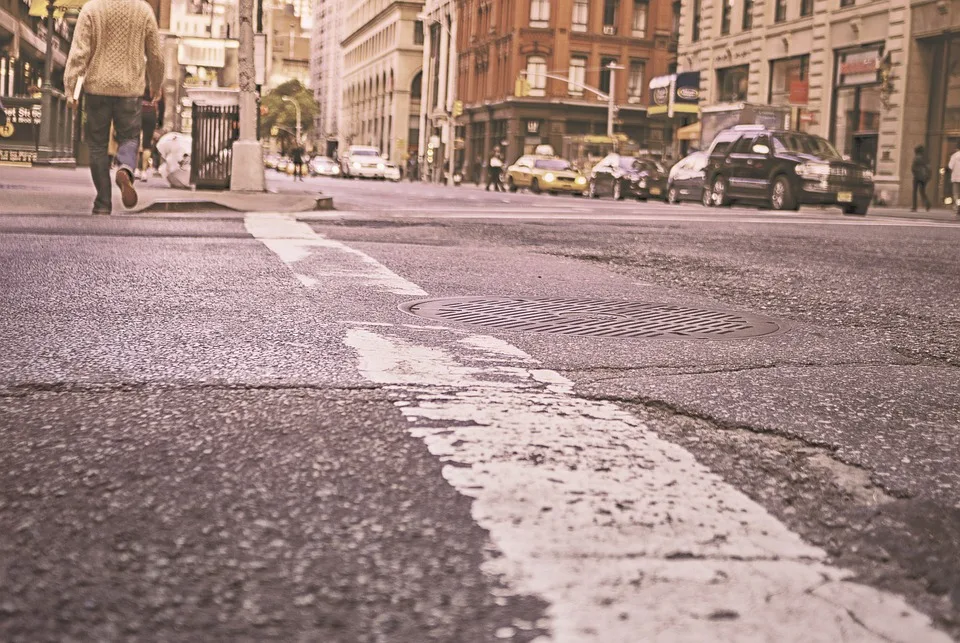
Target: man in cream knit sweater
[116, 51]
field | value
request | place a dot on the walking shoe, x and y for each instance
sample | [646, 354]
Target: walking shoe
[99, 212]
[128, 193]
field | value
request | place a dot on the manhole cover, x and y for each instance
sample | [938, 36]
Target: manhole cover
[594, 318]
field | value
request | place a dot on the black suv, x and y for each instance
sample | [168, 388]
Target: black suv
[784, 170]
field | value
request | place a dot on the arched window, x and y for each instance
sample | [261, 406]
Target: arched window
[416, 88]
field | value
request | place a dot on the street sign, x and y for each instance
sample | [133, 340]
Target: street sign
[38, 8]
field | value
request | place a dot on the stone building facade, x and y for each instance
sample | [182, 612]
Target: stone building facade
[382, 76]
[837, 64]
[439, 88]
[326, 69]
[575, 39]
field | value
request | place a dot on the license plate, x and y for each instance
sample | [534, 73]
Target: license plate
[844, 197]
[654, 191]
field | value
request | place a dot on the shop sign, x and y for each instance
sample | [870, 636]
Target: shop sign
[799, 92]
[858, 67]
[23, 125]
[18, 156]
[686, 95]
[660, 89]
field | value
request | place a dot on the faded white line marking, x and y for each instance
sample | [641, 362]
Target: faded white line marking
[626, 535]
[295, 242]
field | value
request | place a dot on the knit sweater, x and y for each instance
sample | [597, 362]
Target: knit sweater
[116, 45]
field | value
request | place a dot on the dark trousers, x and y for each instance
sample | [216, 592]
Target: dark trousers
[493, 178]
[921, 187]
[124, 114]
[298, 170]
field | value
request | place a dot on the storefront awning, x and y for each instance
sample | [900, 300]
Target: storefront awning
[689, 132]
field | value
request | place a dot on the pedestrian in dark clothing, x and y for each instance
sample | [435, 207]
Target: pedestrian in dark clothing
[921, 174]
[148, 125]
[494, 168]
[116, 45]
[297, 156]
[413, 167]
[477, 170]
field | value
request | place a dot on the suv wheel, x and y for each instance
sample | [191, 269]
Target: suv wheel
[673, 196]
[535, 187]
[617, 191]
[781, 195]
[706, 198]
[511, 185]
[720, 192]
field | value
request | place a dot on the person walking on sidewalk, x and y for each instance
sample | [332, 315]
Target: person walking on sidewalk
[954, 167]
[494, 168]
[116, 46]
[297, 156]
[921, 174]
[148, 125]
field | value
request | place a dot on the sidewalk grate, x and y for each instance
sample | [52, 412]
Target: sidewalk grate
[595, 318]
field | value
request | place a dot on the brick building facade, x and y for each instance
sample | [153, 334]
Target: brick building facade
[571, 38]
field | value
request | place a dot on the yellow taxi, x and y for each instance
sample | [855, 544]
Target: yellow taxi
[545, 173]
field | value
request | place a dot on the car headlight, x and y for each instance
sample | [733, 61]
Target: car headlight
[866, 175]
[549, 177]
[643, 184]
[336, 170]
[581, 180]
[356, 165]
[813, 170]
[380, 166]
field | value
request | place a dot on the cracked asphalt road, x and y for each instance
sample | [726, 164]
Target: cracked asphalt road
[188, 451]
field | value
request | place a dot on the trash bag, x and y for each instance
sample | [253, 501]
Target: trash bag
[175, 149]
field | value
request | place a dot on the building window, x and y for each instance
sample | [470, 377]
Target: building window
[725, 14]
[846, 3]
[780, 11]
[806, 8]
[640, 18]
[732, 83]
[537, 75]
[855, 121]
[635, 81]
[605, 72]
[578, 75]
[747, 15]
[418, 32]
[539, 13]
[790, 85]
[675, 30]
[581, 13]
[695, 31]
[611, 14]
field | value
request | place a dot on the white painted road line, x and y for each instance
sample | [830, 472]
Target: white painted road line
[625, 535]
[582, 216]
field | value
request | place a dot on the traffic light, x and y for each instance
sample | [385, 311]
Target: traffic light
[522, 87]
[429, 155]
[457, 108]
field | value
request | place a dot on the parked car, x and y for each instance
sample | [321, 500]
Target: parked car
[283, 164]
[628, 176]
[685, 180]
[541, 173]
[362, 161]
[324, 166]
[391, 171]
[784, 170]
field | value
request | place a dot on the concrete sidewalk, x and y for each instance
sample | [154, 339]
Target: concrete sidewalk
[41, 190]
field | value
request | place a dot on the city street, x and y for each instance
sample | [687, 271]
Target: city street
[624, 421]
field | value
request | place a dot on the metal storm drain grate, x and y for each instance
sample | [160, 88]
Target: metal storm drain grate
[595, 318]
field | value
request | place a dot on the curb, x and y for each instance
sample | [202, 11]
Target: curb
[175, 206]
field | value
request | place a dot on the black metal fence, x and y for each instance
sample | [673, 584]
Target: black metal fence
[215, 128]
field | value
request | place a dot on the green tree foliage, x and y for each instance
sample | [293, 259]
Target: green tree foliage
[282, 114]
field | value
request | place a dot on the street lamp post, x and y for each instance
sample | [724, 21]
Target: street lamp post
[287, 99]
[451, 99]
[612, 102]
